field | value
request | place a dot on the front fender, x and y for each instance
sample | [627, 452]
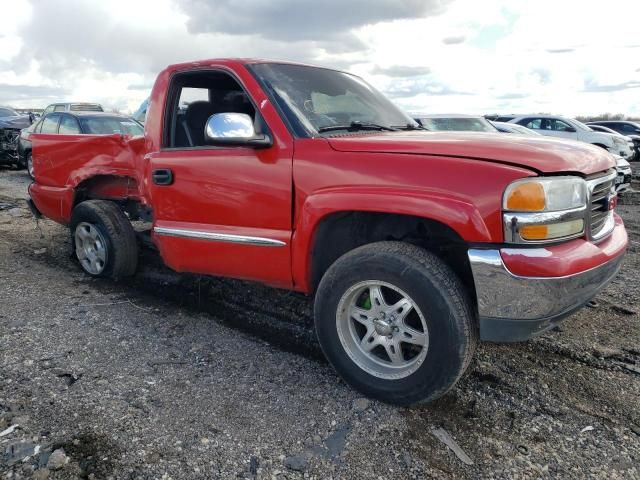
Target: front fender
[458, 213]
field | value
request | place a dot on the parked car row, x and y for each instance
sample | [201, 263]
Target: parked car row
[621, 147]
[58, 118]
[71, 122]
[621, 137]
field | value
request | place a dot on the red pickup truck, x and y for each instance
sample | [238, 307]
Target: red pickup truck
[415, 244]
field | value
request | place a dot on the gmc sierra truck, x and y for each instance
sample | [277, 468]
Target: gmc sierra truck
[414, 244]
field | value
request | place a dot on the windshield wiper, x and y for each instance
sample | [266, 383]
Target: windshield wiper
[356, 126]
[408, 126]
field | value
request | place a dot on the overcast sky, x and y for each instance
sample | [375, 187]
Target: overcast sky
[572, 57]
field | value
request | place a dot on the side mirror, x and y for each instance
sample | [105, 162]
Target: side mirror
[234, 129]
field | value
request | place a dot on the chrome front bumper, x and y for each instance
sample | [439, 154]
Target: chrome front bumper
[514, 308]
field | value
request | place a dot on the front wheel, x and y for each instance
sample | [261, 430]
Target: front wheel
[103, 239]
[395, 322]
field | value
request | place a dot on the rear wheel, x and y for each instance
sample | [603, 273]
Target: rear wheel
[395, 322]
[103, 239]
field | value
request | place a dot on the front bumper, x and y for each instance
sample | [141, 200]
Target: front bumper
[515, 306]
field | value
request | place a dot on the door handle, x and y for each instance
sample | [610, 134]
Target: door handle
[162, 176]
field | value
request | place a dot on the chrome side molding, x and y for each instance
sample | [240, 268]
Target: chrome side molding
[218, 237]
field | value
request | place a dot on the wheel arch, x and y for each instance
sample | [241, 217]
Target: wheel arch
[325, 232]
[120, 189]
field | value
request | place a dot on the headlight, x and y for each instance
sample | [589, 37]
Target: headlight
[544, 209]
[545, 194]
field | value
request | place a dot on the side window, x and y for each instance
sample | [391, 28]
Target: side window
[50, 123]
[560, 126]
[69, 126]
[59, 108]
[37, 126]
[533, 123]
[193, 98]
[625, 127]
[188, 95]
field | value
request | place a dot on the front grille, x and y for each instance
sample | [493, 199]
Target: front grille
[601, 190]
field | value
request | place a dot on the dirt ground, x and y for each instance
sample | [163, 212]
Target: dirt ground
[186, 377]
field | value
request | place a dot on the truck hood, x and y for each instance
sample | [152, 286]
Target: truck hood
[542, 154]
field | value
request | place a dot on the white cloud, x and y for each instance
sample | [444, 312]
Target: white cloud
[571, 57]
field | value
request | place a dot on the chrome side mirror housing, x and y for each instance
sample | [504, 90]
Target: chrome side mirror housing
[234, 129]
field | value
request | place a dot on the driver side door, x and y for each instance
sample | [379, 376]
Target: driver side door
[220, 210]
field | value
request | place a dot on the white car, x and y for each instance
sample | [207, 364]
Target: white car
[623, 181]
[563, 127]
[602, 128]
[454, 122]
[514, 128]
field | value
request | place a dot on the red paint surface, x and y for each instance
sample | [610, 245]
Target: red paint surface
[568, 258]
[284, 192]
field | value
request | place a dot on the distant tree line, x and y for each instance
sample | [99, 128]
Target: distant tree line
[606, 116]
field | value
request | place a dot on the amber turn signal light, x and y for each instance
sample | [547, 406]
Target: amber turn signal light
[526, 197]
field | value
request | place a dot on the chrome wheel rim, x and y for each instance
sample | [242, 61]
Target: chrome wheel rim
[382, 329]
[91, 248]
[30, 165]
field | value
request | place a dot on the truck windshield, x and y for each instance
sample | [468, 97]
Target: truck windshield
[323, 100]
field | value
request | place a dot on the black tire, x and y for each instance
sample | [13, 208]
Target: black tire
[120, 238]
[437, 292]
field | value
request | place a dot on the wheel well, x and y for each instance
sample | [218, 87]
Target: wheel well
[341, 232]
[119, 189]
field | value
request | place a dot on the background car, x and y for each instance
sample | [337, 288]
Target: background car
[623, 127]
[500, 118]
[73, 107]
[629, 140]
[563, 127]
[11, 122]
[623, 181]
[141, 114]
[513, 128]
[77, 123]
[455, 122]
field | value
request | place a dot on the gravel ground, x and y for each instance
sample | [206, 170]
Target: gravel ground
[180, 376]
